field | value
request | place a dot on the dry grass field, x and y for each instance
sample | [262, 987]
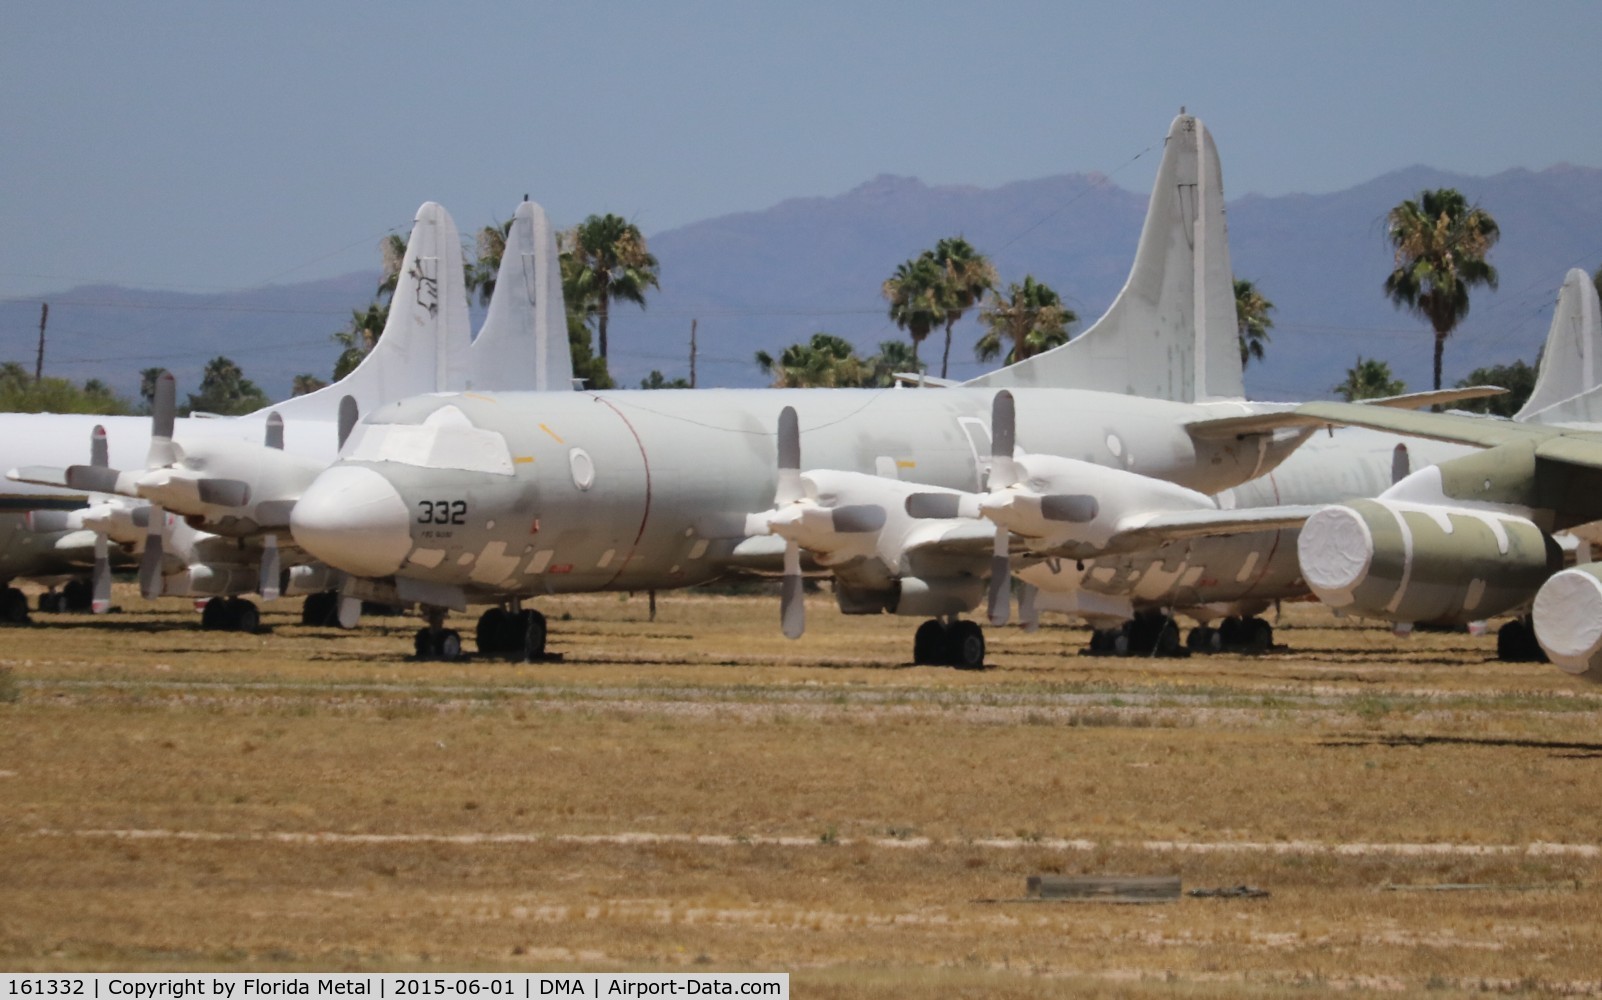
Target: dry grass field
[698, 793]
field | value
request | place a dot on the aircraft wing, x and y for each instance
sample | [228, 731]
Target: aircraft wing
[1153, 530]
[1262, 423]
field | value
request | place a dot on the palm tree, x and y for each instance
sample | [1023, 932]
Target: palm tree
[610, 262]
[304, 384]
[225, 390]
[894, 356]
[1441, 242]
[1031, 319]
[1369, 379]
[826, 361]
[490, 246]
[914, 296]
[966, 275]
[1251, 319]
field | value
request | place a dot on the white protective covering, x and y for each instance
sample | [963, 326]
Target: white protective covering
[1568, 618]
[1172, 332]
[1335, 548]
[523, 344]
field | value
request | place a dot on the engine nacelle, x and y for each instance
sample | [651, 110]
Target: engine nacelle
[310, 578]
[1411, 562]
[1568, 620]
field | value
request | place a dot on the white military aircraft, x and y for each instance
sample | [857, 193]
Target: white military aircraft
[1480, 534]
[1131, 597]
[231, 478]
[498, 497]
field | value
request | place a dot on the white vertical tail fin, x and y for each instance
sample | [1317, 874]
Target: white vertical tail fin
[1172, 332]
[1570, 360]
[425, 344]
[523, 344]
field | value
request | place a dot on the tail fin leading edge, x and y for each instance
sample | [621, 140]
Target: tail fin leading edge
[1171, 333]
[1569, 363]
[425, 343]
[523, 344]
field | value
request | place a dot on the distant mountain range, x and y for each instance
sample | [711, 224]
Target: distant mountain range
[762, 280]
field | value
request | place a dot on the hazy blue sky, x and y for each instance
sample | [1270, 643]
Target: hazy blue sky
[210, 146]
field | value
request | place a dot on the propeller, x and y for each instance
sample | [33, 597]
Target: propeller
[803, 522]
[150, 559]
[100, 586]
[1010, 503]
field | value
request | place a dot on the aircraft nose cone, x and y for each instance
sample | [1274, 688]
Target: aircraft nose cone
[353, 519]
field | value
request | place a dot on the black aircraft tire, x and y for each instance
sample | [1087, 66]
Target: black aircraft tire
[13, 607]
[49, 602]
[243, 615]
[450, 645]
[966, 646]
[492, 631]
[215, 615]
[535, 632]
[77, 596]
[928, 643]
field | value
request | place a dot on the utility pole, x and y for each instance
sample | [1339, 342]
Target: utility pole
[38, 365]
[692, 352]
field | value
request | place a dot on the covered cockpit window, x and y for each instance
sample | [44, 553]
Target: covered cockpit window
[445, 440]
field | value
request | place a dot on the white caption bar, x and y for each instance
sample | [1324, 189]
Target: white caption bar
[246, 986]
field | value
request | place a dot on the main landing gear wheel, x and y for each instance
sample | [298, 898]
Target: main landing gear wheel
[1516, 643]
[516, 634]
[959, 644]
[321, 609]
[77, 596]
[438, 644]
[230, 614]
[13, 607]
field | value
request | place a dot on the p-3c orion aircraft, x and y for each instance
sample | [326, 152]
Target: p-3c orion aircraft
[451, 499]
[230, 479]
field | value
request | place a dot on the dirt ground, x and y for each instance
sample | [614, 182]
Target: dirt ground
[698, 793]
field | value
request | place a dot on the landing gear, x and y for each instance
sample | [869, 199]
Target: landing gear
[959, 644]
[13, 607]
[321, 609]
[230, 614]
[77, 596]
[1150, 633]
[1516, 643]
[514, 633]
[436, 642]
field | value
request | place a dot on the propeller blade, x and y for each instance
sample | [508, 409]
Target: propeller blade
[92, 478]
[1003, 438]
[857, 518]
[1075, 508]
[267, 586]
[223, 492]
[99, 452]
[163, 412]
[1028, 608]
[100, 590]
[792, 605]
[150, 562]
[350, 612]
[349, 413]
[789, 487]
[1000, 579]
[275, 431]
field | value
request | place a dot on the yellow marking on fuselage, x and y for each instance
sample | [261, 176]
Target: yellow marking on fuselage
[474, 395]
[556, 437]
[903, 463]
[522, 459]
